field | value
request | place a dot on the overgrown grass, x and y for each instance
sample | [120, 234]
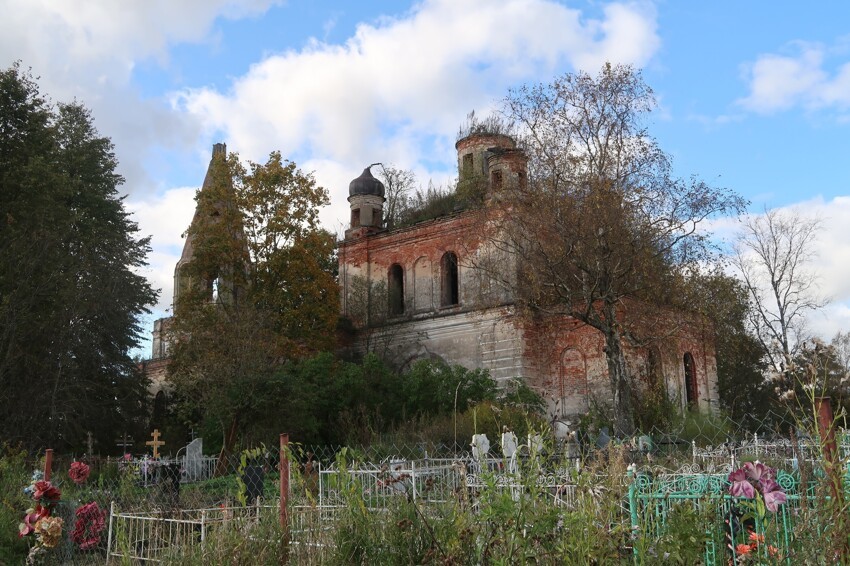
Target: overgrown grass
[14, 476]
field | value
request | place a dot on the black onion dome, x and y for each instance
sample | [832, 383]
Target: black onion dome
[366, 184]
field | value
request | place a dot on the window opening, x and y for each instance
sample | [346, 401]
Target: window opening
[450, 295]
[467, 164]
[396, 290]
[691, 390]
[496, 179]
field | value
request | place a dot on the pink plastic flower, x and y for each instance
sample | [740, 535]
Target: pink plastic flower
[32, 517]
[773, 494]
[741, 486]
[79, 472]
[757, 471]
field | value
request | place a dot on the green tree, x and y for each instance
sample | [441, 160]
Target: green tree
[70, 297]
[259, 291]
[602, 220]
[745, 392]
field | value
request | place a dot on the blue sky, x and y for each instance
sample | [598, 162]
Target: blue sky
[754, 95]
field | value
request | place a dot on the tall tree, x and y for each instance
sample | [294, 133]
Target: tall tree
[745, 394]
[602, 218]
[70, 297]
[399, 184]
[260, 290]
[772, 254]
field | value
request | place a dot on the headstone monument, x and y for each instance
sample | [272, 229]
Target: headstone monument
[509, 449]
[193, 463]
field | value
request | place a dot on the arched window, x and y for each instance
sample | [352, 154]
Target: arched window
[691, 390]
[159, 410]
[448, 268]
[395, 290]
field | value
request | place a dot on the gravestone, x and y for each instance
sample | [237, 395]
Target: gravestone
[480, 448]
[253, 476]
[509, 449]
[169, 482]
[194, 460]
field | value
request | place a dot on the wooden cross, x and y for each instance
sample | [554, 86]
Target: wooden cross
[156, 442]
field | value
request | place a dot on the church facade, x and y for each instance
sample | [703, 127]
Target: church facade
[428, 291]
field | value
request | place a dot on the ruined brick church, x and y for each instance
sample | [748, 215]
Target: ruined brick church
[420, 292]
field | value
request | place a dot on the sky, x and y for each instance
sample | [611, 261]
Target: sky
[753, 96]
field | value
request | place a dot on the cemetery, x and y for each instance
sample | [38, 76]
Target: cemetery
[761, 497]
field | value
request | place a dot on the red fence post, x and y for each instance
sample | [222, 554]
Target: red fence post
[48, 463]
[284, 490]
[826, 428]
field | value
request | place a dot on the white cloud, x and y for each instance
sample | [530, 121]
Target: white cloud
[88, 51]
[397, 84]
[779, 82]
[165, 219]
[831, 264]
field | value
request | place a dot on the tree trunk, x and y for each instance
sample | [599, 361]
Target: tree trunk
[222, 466]
[624, 422]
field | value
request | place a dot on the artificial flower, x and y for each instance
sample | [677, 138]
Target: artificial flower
[79, 472]
[90, 523]
[32, 517]
[741, 486]
[756, 471]
[773, 494]
[49, 531]
[45, 490]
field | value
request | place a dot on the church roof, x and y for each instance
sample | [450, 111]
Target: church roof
[366, 184]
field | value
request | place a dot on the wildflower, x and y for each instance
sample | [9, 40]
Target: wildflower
[79, 472]
[772, 551]
[49, 531]
[743, 549]
[756, 537]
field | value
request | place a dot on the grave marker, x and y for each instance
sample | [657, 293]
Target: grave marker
[156, 442]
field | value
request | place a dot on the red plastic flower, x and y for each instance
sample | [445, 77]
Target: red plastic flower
[46, 492]
[79, 472]
[90, 523]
